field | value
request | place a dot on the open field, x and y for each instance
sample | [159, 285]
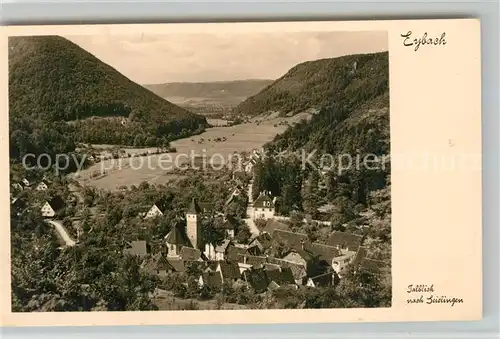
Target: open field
[157, 168]
[221, 101]
[217, 122]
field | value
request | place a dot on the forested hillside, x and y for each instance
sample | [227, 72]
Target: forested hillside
[352, 124]
[60, 94]
[316, 84]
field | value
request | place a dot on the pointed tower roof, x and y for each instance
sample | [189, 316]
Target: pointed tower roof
[194, 208]
[175, 237]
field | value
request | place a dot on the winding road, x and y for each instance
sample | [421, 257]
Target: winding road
[249, 219]
[62, 232]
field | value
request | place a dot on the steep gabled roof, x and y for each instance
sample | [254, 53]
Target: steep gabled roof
[292, 240]
[136, 247]
[273, 275]
[212, 279]
[283, 277]
[194, 208]
[264, 239]
[257, 279]
[162, 204]
[222, 247]
[263, 200]
[177, 264]
[286, 276]
[345, 240]
[190, 254]
[299, 258]
[255, 260]
[273, 225]
[298, 271]
[325, 279]
[322, 252]
[234, 252]
[229, 270]
[157, 263]
[176, 237]
[212, 265]
[56, 203]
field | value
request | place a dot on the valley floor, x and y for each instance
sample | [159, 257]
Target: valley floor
[156, 168]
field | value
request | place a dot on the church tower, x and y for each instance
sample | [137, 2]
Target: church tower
[193, 224]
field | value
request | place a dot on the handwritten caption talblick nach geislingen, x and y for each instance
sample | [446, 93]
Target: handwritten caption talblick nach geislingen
[425, 294]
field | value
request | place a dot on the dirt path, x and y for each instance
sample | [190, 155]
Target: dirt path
[62, 232]
[249, 220]
[251, 225]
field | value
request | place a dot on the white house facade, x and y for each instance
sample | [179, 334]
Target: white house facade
[42, 186]
[48, 211]
[153, 212]
[264, 207]
[341, 262]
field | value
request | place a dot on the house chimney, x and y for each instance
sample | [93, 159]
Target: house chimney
[302, 244]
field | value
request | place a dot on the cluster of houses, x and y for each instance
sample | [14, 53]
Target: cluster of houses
[299, 261]
[264, 206]
[48, 208]
[246, 170]
[27, 183]
[274, 258]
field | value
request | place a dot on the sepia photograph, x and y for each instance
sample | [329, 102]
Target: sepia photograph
[241, 173]
[199, 171]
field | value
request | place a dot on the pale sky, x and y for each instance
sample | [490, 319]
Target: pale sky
[150, 59]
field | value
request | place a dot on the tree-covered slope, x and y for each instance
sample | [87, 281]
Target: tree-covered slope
[352, 125]
[319, 83]
[59, 93]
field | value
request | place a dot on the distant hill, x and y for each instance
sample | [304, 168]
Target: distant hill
[217, 89]
[209, 97]
[59, 93]
[316, 84]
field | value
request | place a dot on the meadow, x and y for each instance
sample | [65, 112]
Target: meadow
[112, 174]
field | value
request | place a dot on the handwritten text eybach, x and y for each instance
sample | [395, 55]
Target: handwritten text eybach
[424, 40]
